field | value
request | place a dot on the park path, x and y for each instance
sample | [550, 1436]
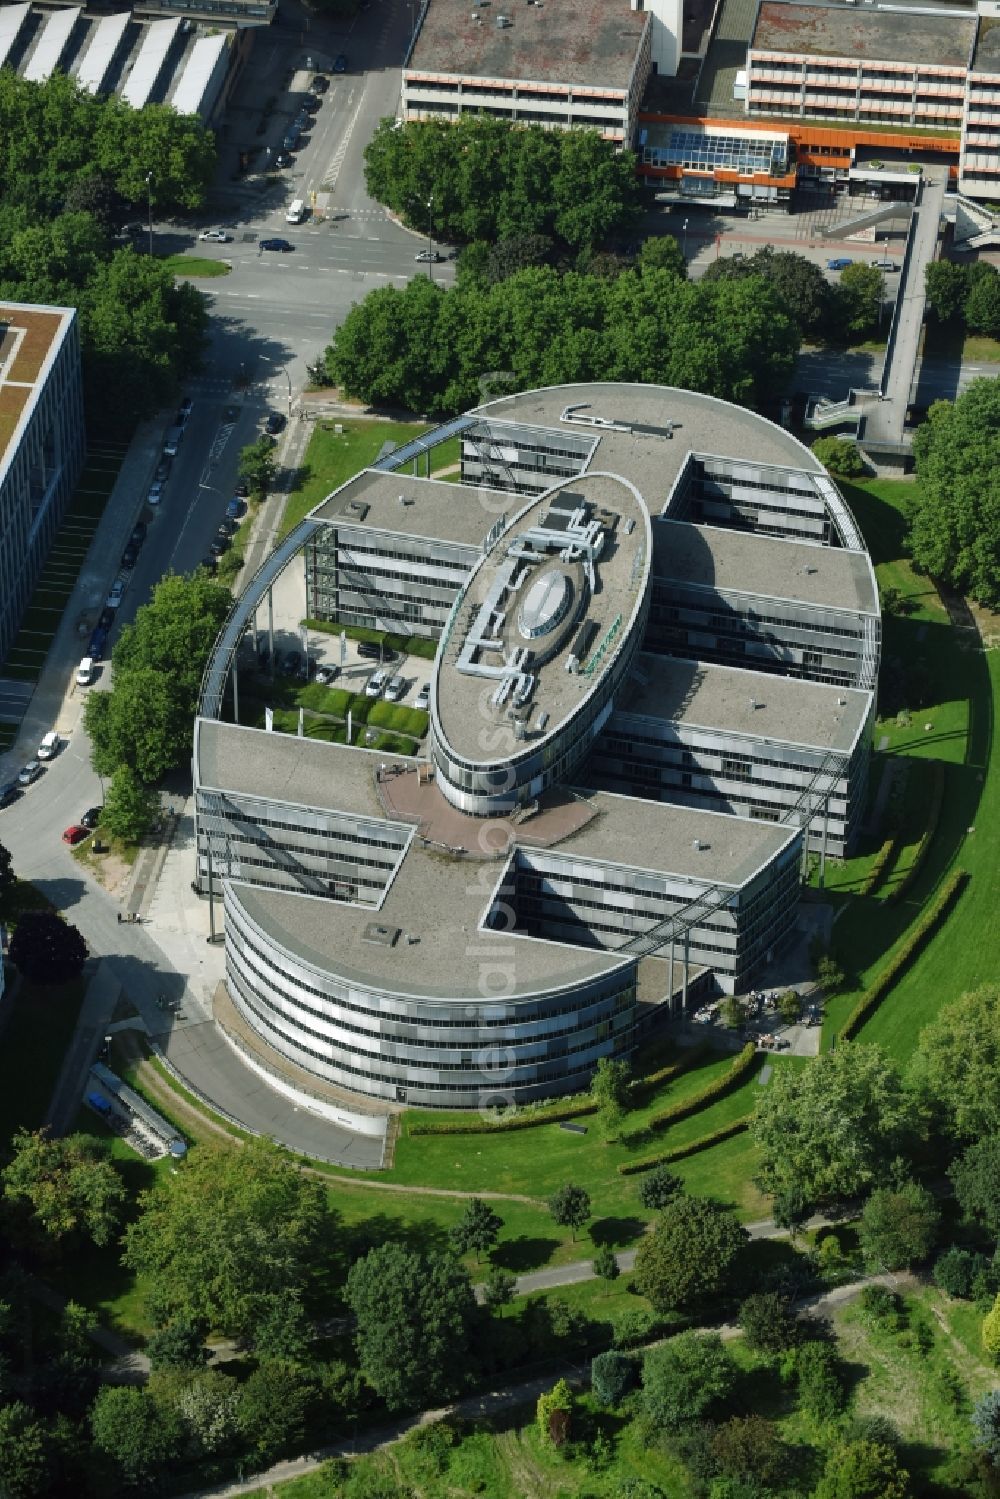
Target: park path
[488, 1403]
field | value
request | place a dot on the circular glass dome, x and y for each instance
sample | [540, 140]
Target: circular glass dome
[544, 604]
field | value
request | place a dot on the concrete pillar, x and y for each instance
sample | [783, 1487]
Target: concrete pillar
[684, 981]
[270, 628]
[670, 975]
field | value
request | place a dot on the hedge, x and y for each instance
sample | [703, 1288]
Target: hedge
[741, 1065]
[670, 1070]
[521, 1120]
[411, 721]
[879, 868]
[679, 1152]
[409, 645]
[883, 982]
[934, 817]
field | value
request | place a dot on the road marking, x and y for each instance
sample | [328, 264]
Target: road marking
[333, 171]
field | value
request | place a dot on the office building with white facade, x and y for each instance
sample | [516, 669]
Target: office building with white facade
[612, 806]
[42, 445]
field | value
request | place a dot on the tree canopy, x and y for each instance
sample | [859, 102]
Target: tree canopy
[477, 178]
[145, 720]
[899, 1225]
[130, 808]
[957, 1061]
[955, 509]
[690, 1254]
[833, 1129]
[685, 1378]
[416, 1316]
[801, 287]
[227, 1235]
[425, 348]
[70, 1183]
[976, 1179]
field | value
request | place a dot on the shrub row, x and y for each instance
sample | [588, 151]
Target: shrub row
[525, 1119]
[670, 1070]
[741, 1065]
[879, 868]
[680, 1152]
[883, 982]
[410, 645]
[933, 818]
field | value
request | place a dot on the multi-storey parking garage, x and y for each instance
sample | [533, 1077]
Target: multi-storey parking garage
[657, 648]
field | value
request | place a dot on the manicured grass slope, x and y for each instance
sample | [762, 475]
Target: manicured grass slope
[332, 458]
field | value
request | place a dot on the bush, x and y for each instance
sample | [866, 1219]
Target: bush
[899, 1226]
[769, 1324]
[820, 1385]
[882, 1308]
[634, 1328]
[692, 1147]
[840, 456]
[956, 1272]
[612, 1375]
[879, 867]
[686, 1378]
[919, 934]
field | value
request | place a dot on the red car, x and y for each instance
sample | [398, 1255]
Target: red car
[75, 834]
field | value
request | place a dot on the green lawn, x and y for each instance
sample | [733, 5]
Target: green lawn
[195, 265]
[332, 458]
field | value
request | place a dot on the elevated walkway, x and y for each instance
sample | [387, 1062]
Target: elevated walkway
[841, 228]
[976, 227]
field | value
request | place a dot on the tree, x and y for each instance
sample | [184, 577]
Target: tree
[610, 1087]
[799, 285]
[283, 1330]
[840, 456]
[8, 878]
[45, 949]
[257, 466]
[138, 1436]
[957, 1067]
[658, 1187]
[990, 1330]
[690, 1255]
[24, 1446]
[863, 1470]
[986, 1425]
[96, 195]
[229, 1231]
[831, 1129]
[817, 1372]
[273, 1408]
[606, 1266]
[179, 1345]
[517, 253]
[858, 297]
[554, 1413]
[769, 1324]
[662, 252]
[749, 1450]
[208, 1403]
[612, 1375]
[957, 1271]
[982, 305]
[947, 286]
[790, 1007]
[899, 1226]
[570, 1207]
[499, 1288]
[686, 1379]
[975, 1176]
[954, 528]
[416, 1316]
[70, 1183]
[130, 808]
[478, 1228]
[732, 1012]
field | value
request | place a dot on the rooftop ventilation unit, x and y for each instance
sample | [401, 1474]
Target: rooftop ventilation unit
[503, 21]
[696, 845]
[405, 499]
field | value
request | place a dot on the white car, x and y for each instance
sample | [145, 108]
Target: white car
[85, 672]
[394, 689]
[114, 598]
[49, 746]
[155, 494]
[217, 236]
[423, 697]
[29, 773]
[376, 684]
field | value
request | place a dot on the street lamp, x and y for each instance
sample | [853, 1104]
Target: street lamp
[430, 237]
[149, 194]
[684, 241]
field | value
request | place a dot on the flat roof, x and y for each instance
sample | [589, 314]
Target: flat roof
[462, 699]
[742, 562]
[51, 44]
[441, 902]
[149, 61]
[199, 73]
[789, 710]
[652, 462]
[986, 58]
[907, 35]
[29, 337]
[433, 509]
[285, 768]
[12, 22]
[660, 837]
[106, 37]
[591, 42]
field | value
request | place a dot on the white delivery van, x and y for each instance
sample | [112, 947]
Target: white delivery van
[295, 212]
[48, 746]
[85, 672]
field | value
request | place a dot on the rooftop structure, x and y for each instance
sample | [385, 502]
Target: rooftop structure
[905, 35]
[590, 796]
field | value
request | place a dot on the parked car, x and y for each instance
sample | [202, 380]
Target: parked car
[210, 563]
[85, 672]
[49, 747]
[376, 683]
[218, 236]
[327, 674]
[9, 793]
[130, 556]
[340, 63]
[187, 406]
[303, 120]
[275, 423]
[885, 265]
[371, 650]
[162, 470]
[105, 619]
[98, 640]
[155, 494]
[75, 833]
[235, 509]
[429, 255]
[139, 533]
[280, 245]
[29, 773]
[283, 159]
[311, 103]
[839, 263]
[228, 526]
[114, 598]
[91, 818]
[320, 84]
[219, 545]
[395, 689]
[423, 697]
[242, 489]
[291, 141]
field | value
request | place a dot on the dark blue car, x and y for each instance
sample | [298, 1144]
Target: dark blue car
[98, 641]
[234, 509]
